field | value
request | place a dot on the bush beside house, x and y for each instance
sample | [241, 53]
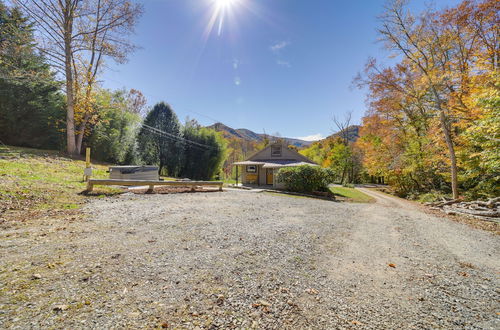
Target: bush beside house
[305, 178]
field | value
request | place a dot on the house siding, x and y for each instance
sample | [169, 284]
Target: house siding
[265, 155]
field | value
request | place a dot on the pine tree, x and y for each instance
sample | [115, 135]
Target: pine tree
[30, 104]
[159, 140]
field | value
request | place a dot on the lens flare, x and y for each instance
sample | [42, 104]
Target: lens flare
[220, 10]
[224, 3]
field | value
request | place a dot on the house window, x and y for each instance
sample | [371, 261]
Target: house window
[275, 151]
[251, 169]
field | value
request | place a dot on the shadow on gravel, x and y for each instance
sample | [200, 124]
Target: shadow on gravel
[299, 195]
[145, 191]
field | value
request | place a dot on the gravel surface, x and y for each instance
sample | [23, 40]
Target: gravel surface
[238, 259]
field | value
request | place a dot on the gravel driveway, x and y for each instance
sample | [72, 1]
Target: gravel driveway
[249, 260]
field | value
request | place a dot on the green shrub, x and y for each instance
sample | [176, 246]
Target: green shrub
[432, 196]
[306, 178]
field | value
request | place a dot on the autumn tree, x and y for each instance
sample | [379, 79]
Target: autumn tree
[425, 46]
[432, 102]
[113, 137]
[76, 37]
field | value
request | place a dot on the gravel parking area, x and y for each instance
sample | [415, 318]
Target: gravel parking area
[238, 259]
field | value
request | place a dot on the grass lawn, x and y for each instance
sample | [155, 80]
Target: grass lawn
[33, 180]
[351, 194]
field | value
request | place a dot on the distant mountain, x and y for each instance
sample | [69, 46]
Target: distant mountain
[246, 134]
[352, 133]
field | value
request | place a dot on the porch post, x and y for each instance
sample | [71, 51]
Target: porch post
[258, 175]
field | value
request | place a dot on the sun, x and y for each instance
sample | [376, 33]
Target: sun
[221, 9]
[224, 4]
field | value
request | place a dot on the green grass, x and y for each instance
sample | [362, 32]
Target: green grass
[352, 194]
[32, 179]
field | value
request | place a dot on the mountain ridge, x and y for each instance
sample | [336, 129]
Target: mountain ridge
[249, 135]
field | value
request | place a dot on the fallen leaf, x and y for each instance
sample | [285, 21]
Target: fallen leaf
[164, 325]
[392, 265]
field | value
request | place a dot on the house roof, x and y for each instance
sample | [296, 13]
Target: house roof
[248, 162]
[297, 156]
[279, 164]
[275, 163]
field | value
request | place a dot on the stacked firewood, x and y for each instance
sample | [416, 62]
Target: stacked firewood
[489, 210]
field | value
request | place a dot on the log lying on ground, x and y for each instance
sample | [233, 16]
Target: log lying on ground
[489, 210]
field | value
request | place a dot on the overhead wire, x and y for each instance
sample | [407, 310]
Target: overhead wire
[176, 138]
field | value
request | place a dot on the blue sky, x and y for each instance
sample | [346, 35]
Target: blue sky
[281, 66]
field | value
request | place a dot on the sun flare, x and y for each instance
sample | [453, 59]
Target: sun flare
[224, 3]
[221, 9]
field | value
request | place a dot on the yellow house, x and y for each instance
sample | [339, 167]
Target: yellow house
[261, 168]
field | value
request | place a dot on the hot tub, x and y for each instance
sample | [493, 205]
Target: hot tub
[146, 172]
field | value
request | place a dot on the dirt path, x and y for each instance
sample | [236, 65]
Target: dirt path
[249, 260]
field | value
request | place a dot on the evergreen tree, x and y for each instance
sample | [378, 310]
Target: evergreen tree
[159, 140]
[30, 104]
[204, 152]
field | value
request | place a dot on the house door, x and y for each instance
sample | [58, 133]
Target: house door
[269, 176]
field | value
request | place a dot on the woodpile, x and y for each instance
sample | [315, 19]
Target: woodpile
[489, 210]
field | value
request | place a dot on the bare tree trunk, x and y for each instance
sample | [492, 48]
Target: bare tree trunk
[70, 100]
[81, 133]
[451, 151]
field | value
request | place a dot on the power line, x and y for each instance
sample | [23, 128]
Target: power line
[175, 137]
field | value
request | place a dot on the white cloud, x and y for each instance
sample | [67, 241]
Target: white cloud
[284, 63]
[237, 81]
[314, 137]
[279, 46]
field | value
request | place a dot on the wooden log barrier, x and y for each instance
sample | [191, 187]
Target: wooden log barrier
[116, 182]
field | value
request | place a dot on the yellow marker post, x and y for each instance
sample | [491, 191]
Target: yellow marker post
[88, 170]
[87, 158]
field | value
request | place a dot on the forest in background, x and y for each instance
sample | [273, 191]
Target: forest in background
[432, 127]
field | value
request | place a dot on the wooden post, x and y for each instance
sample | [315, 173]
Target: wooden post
[87, 157]
[236, 175]
[88, 170]
[90, 186]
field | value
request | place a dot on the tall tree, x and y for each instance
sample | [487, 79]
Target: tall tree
[424, 45]
[204, 152]
[160, 140]
[113, 138]
[76, 36]
[30, 104]
[431, 104]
